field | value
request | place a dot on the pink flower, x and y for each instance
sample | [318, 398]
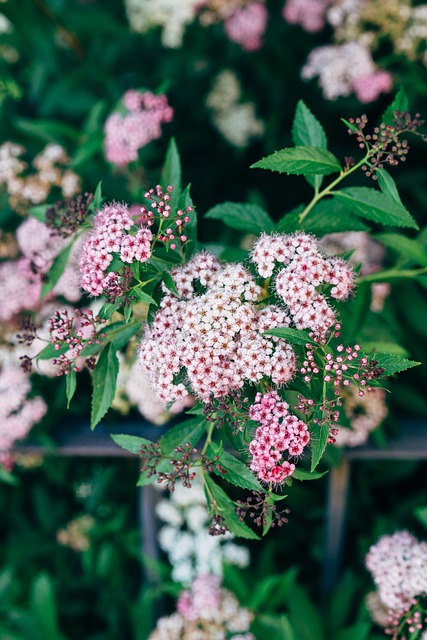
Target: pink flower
[309, 14]
[247, 25]
[368, 87]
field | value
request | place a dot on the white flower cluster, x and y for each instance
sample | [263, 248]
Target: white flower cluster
[398, 564]
[365, 413]
[184, 536]
[235, 120]
[172, 15]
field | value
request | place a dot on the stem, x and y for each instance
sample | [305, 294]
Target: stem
[391, 274]
[321, 194]
[208, 438]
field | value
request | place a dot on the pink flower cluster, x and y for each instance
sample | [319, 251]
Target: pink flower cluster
[126, 134]
[19, 288]
[202, 600]
[398, 564]
[214, 336]
[310, 14]
[369, 87]
[281, 434]
[247, 25]
[17, 413]
[305, 269]
[114, 232]
[365, 414]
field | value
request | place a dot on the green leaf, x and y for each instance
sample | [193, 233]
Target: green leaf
[87, 149]
[97, 198]
[318, 441]
[394, 364]
[329, 216]
[376, 206]
[169, 283]
[7, 477]
[190, 431]
[350, 125]
[143, 297]
[421, 515]
[46, 130]
[307, 131]
[121, 335]
[39, 212]
[392, 275]
[56, 271]
[410, 249]
[400, 103]
[388, 185]
[238, 473]
[70, 385]
[300, 161]
[190, 228]
[108, 309]
[302, 474]
[43, 608]
[296, 336]
[305, 620]
[244, 217]
[359, 631]
[50, 352]
[130, 443]
[224, 506]
[104, 383]
[171, 172]
[370, 347]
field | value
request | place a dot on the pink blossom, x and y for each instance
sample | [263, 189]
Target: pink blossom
[247, 25]
[203, 600]
[126, 134]
[19, 288]
[310, 14]
[368, 87]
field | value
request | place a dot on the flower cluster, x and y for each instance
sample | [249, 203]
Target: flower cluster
[398, 564]
[303, 269]
[206, 611]
[114, 232]
[280, 435]
[75, 534]
[172, 15]
[185, 538]
[365, 413]
[310, 14]
[126, 133]
[215, 335]
[64, 217]
[18, 412]
[161, 210]
[49, 169]
[235, 120]
[246, 25]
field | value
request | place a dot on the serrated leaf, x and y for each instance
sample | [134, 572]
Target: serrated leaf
[410, 249]
[388, 185]
[318, 441]
[244, 217]
[143, 297]
[400, 103]
[238, 473]
[301, 161]
[350, 125]
[190, 431]
[97, 198]
[39, 212]
[307, 130]
[56, 271]
[104, 380]
[169, 283]
[376, 206]
[70, 385]
[224, 506]
[329, 216]
[130, 443]
[296, 336]
[171, 172]
[302, 474]
[50, 352]
[394, 364]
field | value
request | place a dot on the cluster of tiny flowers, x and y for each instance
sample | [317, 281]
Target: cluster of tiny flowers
[184, 536]
[310, 14]
[215, 336]
[246, 26]
[74, 333]
[305, 269]
[171, 15]
[281, 434]
[235, 120]
[346, 68]
[49, 169]
[206, 611]
[365, 414]
[161, 210]
[398, 564]
[366, 252]
[64, 217]
[114, 233]
[126, 133]
[75, 535]
[18, 412]
[384, 144]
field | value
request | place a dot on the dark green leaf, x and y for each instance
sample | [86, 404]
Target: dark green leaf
[169, 283]
[46, 130]
[410, 249]
[56, 271]
[376, 206]
[190, 431]
[300, 161]
[97, 198]
[190, 228]
[50, 352]
[421, 515]
[388, 185]
[400, 103]
[171, 172]
[297, 336]
[302, 474]
[359, 631]
[121, 335]
[7, 477]
[224, 506]
[39, 212]
[350, 125]
[319, 439]
[244, 217]
[143, 297]
[43, 608]
[104, 383]
[329, 216]
[394, 364]
[305, 620]
[70, 385]
[307, 130]
[130, 443]
[238, 473]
